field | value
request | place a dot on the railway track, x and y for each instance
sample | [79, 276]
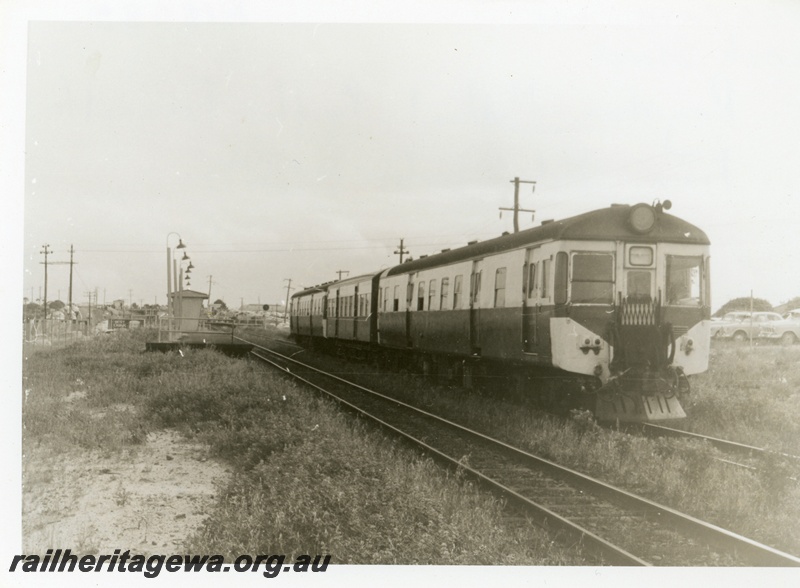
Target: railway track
[615, 526]
[756, 457]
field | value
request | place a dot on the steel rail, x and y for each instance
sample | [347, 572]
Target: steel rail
[723, 444]
[545, 516]
[756, 553]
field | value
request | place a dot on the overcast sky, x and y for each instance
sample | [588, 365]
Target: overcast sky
[285, 150]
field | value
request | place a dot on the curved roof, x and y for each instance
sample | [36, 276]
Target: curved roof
[606, 224]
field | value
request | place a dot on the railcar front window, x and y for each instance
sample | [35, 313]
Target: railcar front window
[638, 285]
[593, 278]
[684, 277]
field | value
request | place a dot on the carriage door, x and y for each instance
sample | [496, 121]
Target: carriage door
[535, 322]
[475, 306]
[639, 273]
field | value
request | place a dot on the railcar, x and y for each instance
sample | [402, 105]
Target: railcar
[610, 308]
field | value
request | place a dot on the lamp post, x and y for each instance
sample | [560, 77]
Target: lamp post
[172, 278]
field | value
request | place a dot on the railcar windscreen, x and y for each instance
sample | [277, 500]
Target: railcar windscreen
[684, 280]
[592, 278]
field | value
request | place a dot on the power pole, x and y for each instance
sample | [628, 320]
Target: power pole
[517, 209]
[401, 251]
[340, 272]
[71, 263]
[209, 290]
[46, 253]
[288, 289]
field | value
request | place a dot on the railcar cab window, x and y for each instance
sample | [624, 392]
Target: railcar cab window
[684, 279]
[592, 278]
[638, 287]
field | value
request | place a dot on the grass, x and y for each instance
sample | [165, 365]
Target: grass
[744, 397]
[306, 479]
[751, 395]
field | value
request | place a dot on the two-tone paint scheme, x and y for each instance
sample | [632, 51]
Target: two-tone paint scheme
[351, 309]
[306, 318]
[619, 295]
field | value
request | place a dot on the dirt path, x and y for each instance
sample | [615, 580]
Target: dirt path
[149, 499]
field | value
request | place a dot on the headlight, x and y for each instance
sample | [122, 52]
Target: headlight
[642, 218]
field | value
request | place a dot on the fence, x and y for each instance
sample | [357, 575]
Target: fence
[54, 332]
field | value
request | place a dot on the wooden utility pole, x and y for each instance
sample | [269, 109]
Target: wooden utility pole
[46, 252]
[401, 251]
[340, 272]
[71, 263]
[517, 209]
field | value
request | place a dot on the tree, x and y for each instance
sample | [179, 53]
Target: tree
[219, 302]
[743, 304]
[793, 303]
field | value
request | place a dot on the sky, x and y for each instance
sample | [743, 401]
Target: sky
[294, 147]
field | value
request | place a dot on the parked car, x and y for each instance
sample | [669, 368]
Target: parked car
[741, 326]
[721, 327]
[793, 315]
[787, 330]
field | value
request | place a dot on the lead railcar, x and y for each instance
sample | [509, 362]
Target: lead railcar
[616, 299]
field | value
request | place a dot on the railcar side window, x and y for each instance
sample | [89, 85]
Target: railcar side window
[531, 280]
[476, 286]
[431, 294]
[421, 296]
[545, 291]
[444, 294]
[592, 278]
[500, 288]
[457, 292]
[396, 306]
[684, 277]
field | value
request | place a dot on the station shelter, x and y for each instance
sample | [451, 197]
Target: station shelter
[187, 308]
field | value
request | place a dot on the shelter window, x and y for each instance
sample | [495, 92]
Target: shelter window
[684, 278]
[500, 288]
[593, 278]
[444, 294]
